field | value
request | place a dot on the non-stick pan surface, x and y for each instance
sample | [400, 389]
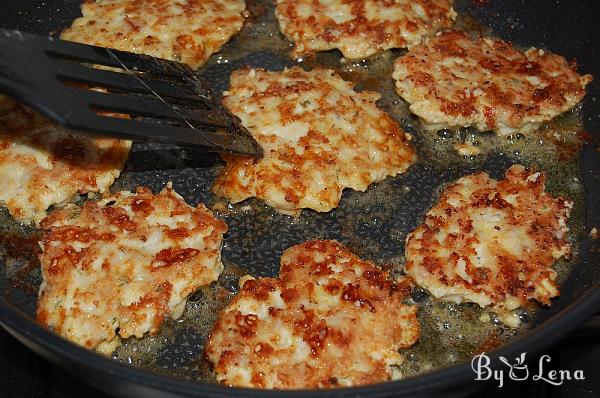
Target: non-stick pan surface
[373, 224]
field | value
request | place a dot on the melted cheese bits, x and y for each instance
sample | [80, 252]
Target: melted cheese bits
[329, 320]
[319, 136]
[120, 266]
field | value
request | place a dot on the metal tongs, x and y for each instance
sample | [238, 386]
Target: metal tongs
[136, 97]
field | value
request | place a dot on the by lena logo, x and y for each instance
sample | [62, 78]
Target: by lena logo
[519, 370]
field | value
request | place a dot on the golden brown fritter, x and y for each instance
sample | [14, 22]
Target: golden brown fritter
[187, 31]
[452, 80]
[491, 242]
[120, 266]
[319, 136]
[360, 28]
[43, 163]
[329, 320]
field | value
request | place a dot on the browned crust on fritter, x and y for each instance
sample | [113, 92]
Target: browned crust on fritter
[491, 242]
[329, 320]
[360, 28]
[486, 83]
[122, 265]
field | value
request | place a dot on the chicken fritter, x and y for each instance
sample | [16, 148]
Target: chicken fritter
[43, 163]
[187, 31]
[491, 242]
[120, 266]
[330, 319]
[360, 28]
[318, 135]
[453, 80]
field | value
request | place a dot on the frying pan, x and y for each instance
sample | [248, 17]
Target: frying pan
[373, 224]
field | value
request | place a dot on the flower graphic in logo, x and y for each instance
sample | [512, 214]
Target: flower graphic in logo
[519, 370]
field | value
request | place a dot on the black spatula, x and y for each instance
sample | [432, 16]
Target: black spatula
[165, 100]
